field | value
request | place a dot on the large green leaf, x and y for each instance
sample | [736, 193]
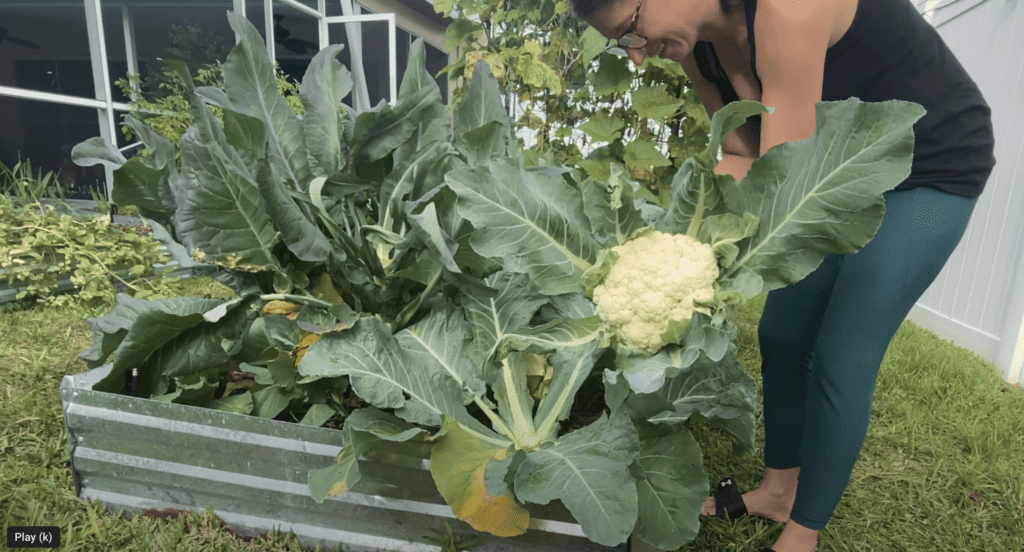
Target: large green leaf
[460, 230]
[672, 488]
[724, 232]
[695, 190]
[610, 208]
[412, 171]
[382, 373]
[644, 154]
[440, 245]
[554, 335]
[379, 133]
[722, 392]
[161, 155]
[220, 209]
[603, 127]
[440, 339]
[612, 76]
[823, 195]
[726, 120]
[95, 151]
[302, 236]
[530, 218]
[593, 43]
[588, 470]
[458, 462]
[169, 337]
[140, 181]
[364, 428]
[492, 318]
[248, 135]
[324, 86]
[655, 102]
[110, 330]
[485, 143]
[251, 85]
[482, 104]
[433, 121]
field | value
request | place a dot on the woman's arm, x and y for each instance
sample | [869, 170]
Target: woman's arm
[736, 165]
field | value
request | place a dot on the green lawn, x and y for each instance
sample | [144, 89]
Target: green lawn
[942, 468]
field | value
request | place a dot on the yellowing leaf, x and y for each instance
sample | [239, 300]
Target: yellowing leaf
[325, 291]
[539, 374]
[538, 74]
[280, 307]
[533, 47]
[444, 7]
[336, 479]
[492, 59]
[458, 461]
[303, 346]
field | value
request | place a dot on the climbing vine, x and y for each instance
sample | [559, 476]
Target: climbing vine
[575, 102]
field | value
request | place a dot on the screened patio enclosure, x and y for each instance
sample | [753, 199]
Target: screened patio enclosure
[60, 61]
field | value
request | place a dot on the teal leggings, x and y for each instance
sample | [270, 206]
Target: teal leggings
[823, 339]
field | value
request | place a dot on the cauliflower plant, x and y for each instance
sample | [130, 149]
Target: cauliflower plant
[656, 279]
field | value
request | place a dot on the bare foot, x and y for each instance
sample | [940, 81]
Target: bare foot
[760, 503]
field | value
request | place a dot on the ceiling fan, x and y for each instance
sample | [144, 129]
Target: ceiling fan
[14, 40]
[295, 45]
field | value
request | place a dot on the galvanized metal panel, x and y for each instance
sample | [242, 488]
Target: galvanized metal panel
[976, 301]
[133, 454]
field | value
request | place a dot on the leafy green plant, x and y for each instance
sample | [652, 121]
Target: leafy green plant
[40, 246]
[169, 113]
[583, 106]
[424, 274]
[29, 186]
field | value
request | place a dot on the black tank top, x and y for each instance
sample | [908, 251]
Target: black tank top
[892, 53]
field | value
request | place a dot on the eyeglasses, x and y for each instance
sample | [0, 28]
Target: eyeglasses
[631, 39]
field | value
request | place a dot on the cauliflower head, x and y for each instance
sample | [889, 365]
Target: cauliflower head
[655, 280]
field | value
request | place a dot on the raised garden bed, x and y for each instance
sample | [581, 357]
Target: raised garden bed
[134, 454]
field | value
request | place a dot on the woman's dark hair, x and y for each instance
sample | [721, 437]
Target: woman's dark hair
[586, 8]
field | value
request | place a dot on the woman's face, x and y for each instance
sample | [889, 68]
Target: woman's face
[671, 27]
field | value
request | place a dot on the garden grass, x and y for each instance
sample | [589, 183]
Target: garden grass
[942, 467]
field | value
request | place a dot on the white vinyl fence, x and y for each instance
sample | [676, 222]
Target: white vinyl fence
[977, 302]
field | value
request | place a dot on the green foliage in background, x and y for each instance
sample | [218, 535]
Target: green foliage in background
[29, 186]
[161, 100]
[170, 115]
[40, 246]
[586, 106]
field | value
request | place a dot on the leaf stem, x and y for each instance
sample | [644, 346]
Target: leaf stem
[500, 424]
[520, 418]
[296, 299]
[411, 308]
[698, 214]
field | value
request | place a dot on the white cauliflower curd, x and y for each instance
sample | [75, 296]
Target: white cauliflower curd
[655, 280]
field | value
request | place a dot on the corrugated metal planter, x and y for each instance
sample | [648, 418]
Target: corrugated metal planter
[134, 454]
